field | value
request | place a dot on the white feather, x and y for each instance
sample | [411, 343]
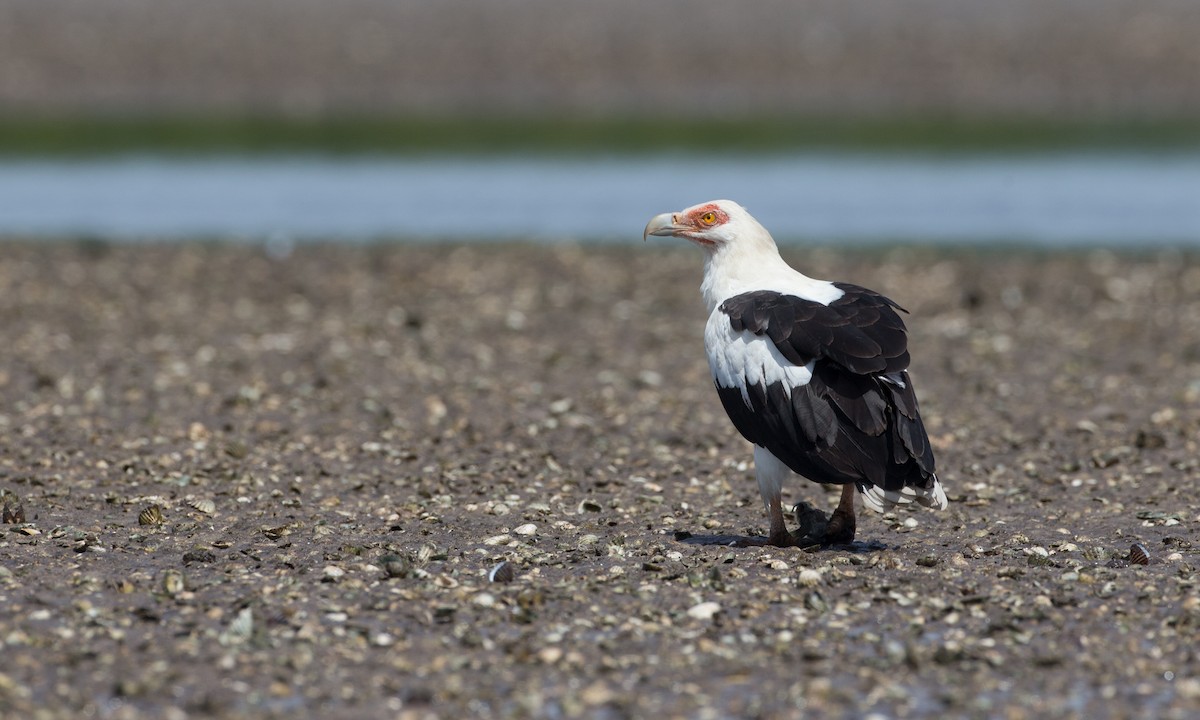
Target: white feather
[770, 472]
[734, 274]
[881, 500]
[742, 359]
[744, 258]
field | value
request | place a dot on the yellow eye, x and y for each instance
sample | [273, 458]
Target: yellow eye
[708, 218]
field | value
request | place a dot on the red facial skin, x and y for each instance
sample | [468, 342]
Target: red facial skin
[696, 218]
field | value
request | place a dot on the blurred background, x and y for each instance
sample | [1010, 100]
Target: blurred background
[1041, 121]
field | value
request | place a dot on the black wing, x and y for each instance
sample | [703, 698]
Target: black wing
[856, 420]
[860, 330]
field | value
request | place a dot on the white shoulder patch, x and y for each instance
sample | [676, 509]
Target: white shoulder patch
[742, 359]
[820, 291]
[737, 275]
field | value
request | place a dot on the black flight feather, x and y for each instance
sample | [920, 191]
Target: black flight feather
[856, 420]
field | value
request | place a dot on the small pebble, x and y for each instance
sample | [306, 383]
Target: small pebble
[206, 506]
[395, 565]
[503, 572]
[596, 694]
[1138, 554]
[704, 611]
[151, 515]
[809, 578]
[172, 582]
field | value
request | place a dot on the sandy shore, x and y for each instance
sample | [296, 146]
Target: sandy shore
[342, 442]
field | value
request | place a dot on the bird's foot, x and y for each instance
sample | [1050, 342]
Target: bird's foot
[840, 530]
[815, 529]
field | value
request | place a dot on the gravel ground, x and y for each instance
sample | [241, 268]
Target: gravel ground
[259, 486]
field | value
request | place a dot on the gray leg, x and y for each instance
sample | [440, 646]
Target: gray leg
[771, 472]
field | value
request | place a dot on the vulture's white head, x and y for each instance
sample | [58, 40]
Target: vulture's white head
[740, 254]
[716, 226]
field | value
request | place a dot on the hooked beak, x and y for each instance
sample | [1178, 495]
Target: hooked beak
[662, 226]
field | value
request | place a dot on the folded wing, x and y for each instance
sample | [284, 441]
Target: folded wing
[823, 387]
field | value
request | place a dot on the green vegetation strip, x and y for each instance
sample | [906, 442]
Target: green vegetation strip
[91, 136]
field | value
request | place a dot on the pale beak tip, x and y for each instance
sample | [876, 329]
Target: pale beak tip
[660, 225]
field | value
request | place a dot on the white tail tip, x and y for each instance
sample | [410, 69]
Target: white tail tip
[881, 500]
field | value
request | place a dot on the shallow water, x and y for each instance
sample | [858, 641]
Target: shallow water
[1053, 200]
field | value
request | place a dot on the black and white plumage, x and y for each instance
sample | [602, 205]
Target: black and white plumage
[814, 373]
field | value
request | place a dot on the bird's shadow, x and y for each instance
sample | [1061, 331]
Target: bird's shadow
[858, 546]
